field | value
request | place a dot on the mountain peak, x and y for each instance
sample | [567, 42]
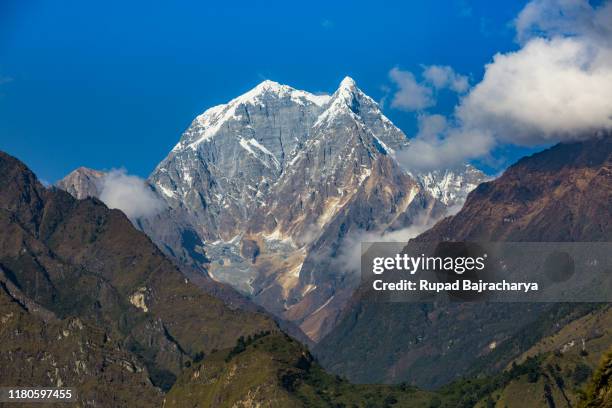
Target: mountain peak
[348, 89]
[281, 91]
[88, 171]
[209, 123]
[82, 182]
[347, 100]
[348, 83]
[264, 87]
[269, 85]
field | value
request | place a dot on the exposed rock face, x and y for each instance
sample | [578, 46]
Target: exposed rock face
[227, 159]
[265, 191]
[82, 183]
[62, 258]
[561, 194]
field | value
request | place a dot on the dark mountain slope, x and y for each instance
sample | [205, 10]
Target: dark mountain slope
[77, 258]
[558, 366]
[37, 348]
[561, 194]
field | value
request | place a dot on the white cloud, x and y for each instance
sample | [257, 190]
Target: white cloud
[548, 18]
[551, 90]
[443, 76]
[349, 254]
[455, 147]
[410, 95]
[129, 194]
[431, 126]
[555, 88]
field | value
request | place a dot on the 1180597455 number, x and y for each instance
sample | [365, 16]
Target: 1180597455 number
[35, 394]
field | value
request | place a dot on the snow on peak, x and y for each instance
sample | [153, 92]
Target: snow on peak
[348, 83]
[211, 121]
[348, 99]
[268, 83]
[349, 92]
[281, 91]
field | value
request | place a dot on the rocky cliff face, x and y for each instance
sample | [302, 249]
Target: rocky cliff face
[82, 183]
[228, 158]
[266, 191]
[561, 194]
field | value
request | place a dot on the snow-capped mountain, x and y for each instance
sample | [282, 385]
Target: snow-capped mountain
[228, 158]
[267, 191]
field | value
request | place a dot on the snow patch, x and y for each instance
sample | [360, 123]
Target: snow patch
[247, 144]
[165, 191]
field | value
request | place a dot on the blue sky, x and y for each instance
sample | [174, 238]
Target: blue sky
[113, 84]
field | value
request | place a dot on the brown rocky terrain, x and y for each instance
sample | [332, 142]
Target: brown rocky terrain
[37, 348]
[80, 261]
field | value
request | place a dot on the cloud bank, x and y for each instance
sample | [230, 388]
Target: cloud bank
[555, 88]
[129, 194]
[551, 90]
